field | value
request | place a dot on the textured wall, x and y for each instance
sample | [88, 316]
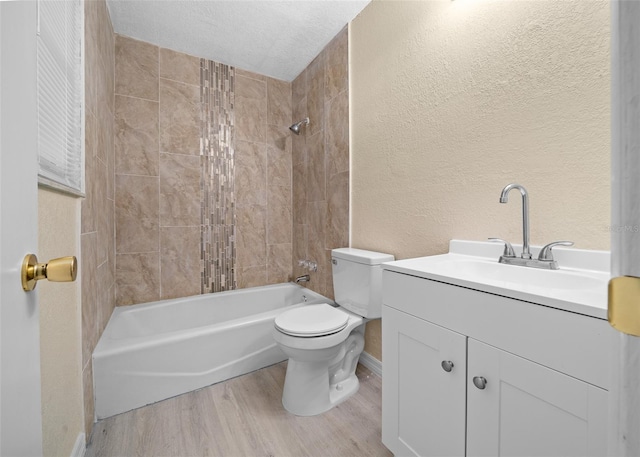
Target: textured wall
[452, 100]
[158, 175]
[97, 262]
[60, 335]
[321, 162]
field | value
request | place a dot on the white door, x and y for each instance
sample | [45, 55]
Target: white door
[423, 390]
[20, 408]
[516, 407]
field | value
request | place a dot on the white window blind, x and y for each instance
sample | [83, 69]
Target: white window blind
[60, 95]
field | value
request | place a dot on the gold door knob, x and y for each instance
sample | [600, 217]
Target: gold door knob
[63, 269]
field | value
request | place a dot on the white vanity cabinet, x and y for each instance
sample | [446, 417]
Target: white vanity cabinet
[541, 374]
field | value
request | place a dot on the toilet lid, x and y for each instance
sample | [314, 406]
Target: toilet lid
[312, 320]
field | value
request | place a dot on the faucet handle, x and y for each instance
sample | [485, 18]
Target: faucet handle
[545, 253]
[508, 249]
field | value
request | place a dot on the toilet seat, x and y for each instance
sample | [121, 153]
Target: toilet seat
[312, 321]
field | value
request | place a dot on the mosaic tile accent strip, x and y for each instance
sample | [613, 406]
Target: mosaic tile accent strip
[218, 203]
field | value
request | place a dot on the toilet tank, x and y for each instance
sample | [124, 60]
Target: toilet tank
[357, 280]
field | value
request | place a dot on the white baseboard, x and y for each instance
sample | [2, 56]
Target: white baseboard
[371, 363]
[80, 447]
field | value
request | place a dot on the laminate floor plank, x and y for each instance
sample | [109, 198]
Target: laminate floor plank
[244, 417]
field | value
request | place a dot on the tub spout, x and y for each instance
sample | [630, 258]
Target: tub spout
[303, 278]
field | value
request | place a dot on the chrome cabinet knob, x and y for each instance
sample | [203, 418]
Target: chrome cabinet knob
[447, 365]
[480, 382]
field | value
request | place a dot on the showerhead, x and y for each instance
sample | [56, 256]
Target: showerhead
[295, 128]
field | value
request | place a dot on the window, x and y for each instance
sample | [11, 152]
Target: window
[61, 95]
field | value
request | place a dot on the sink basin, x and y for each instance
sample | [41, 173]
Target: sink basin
[571, 288]
[515, 276]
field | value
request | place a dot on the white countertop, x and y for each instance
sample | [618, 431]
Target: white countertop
[579, 286]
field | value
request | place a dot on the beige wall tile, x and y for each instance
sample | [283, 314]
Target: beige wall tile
[280, 196]
[317, 214]
[278, 102]
[336, 134]
[88, 208]
[136, 136]
[104, 130]
[105, 302]
[102, 210]
[179, 67]
[316, 168]
[251, 173]
[136, 68]
[315, 95]
[111, 172]
[279, 182]
[251, 232]
[179, 190]
[180, 261]
[250, 74]
[138, 278]
[299, 193]
[328, 290]
[137, 212]
[279, 258]
[337, 235]
[279, 167]
[299, 249]
[299, 148]
[251, 276]
[87, 383]
[111, 244]
[89, 277]
[299, 111]
[280, 137]
[179, 118]
[337, 65]
[105, 34]
[251, 110]
[278, 224]
[299, 85]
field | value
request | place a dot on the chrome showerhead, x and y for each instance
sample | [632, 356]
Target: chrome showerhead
[295, 128]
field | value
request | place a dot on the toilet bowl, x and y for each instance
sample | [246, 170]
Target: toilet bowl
[323, 342]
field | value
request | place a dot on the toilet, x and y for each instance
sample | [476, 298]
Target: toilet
[324, 342]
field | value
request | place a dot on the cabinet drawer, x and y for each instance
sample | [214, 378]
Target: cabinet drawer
[571, 343]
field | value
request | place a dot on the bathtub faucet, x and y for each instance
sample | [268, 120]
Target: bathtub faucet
[303, 278]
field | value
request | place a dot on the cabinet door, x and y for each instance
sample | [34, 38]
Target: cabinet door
[526, 409]
[423, 405]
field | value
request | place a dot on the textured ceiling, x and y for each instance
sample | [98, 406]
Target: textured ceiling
[273, 38]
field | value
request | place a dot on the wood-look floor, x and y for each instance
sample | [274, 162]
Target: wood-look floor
[244, 417]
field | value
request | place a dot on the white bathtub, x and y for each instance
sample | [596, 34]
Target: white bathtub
[158, 350]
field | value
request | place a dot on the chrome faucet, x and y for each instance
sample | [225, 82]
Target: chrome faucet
[303, 278]
[504, 198]
[545, 259]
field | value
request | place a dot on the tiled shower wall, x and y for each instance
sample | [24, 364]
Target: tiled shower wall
[159, 185]
[321, 162]
[97, 264]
